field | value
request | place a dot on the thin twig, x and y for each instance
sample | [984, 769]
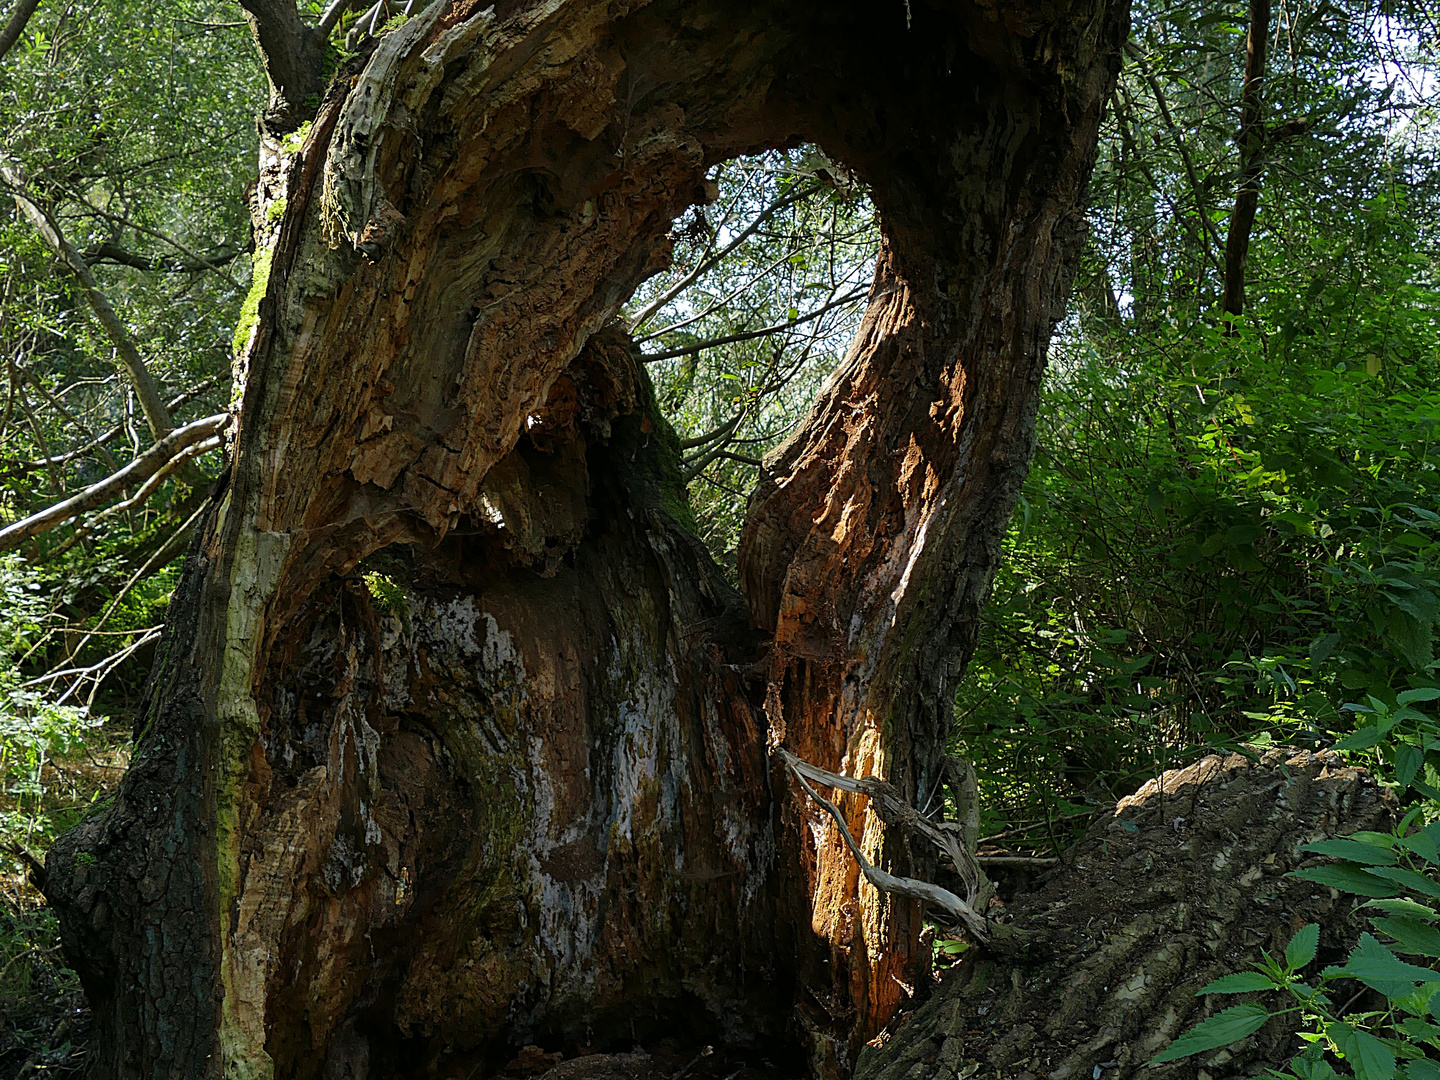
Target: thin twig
[730, 339]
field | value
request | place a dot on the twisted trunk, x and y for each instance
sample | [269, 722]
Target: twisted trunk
[457, 739]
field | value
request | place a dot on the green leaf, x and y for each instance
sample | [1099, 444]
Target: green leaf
[1409, 878]
[1346, 878]
[1407, 764]
[1422, 843]
[1354, 850]
[1302, 947]
[1403, 906]
[1368, 1056]
[1242, 982]
[1362, 739]
[1380, 969]
[1423, 693]
[1222, 1029]
[1411, 637]
[1411, 935]
[1422, 1069]
[1321, 648]
[1420, 1029]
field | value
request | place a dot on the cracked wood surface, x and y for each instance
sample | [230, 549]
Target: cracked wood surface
[352, 843]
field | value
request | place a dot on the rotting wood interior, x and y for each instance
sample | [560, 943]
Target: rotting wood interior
[518, 805]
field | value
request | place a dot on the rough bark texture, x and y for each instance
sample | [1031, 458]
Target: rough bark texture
[1184, 883]
[457, 740]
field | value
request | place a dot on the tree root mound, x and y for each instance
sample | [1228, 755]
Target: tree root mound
[1184, 882]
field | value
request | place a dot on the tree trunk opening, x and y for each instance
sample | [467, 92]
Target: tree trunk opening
[457, 741]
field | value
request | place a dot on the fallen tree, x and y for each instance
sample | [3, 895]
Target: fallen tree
[1185, 882]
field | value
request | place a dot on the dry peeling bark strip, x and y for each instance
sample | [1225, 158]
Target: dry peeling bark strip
[1184, 883]
[324, 857]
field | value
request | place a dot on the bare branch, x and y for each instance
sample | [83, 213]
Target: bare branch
[121, 219]
[100, 441]
[149, 487]
[114, 253]
[714, 260]
[332, 16]
[158, 561]
[1150, 80]
[884, 796]
[15, 25]
[167, 452]
[748, 335]
[717, 433]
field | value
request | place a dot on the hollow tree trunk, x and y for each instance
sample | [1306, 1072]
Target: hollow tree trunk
[457, 739]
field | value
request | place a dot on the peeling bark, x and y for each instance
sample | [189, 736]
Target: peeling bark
[521, 790]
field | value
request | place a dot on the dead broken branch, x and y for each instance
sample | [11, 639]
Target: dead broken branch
[171, 451]
[894, 810]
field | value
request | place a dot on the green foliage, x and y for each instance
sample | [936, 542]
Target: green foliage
[1225, 536]
[765, 291]
[1219, 1030]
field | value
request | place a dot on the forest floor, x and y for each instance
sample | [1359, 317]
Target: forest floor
[44, 1019]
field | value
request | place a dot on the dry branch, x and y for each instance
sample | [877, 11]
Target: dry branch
[98, 443]
[893, 809]
[166, 454]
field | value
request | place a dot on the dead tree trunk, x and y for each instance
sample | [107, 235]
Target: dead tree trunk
[456, 739]
[1185, 882]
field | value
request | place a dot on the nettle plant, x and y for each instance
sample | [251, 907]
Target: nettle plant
[1396, 874]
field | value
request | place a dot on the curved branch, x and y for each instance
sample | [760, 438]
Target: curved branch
[730, 339]
[169, 452]
[706, 264]
[15, 26]
[156, 414]
[715, 433]
[889, 883]
[1209, 232]
[114, 253]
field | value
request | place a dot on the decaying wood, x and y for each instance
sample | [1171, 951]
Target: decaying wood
[1183, 883]
[458, 740]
